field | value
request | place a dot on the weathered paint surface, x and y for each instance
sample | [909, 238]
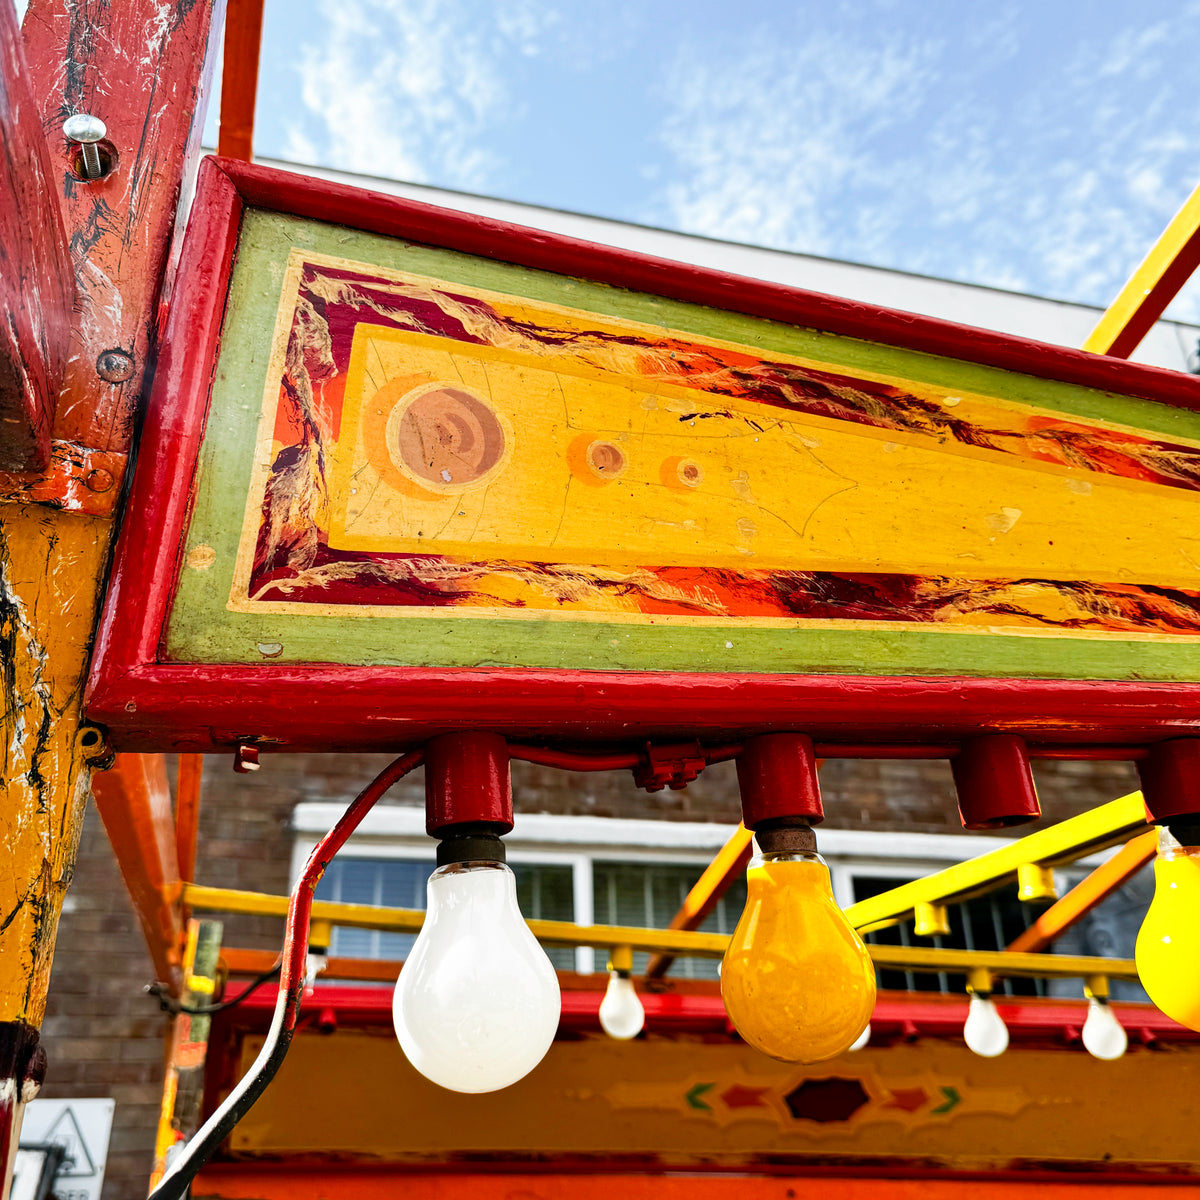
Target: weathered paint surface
[49, 565]
[37, 283]
[138, 65]
[686, 1103]
[22, 1070]
[528, 470]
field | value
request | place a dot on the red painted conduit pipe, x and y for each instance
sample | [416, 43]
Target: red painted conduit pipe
[174, 1185]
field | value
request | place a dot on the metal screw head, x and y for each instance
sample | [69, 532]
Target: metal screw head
[114, 366]
[99, 480]
[84, 128]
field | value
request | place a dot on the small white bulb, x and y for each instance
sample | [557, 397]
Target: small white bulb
[862, 1039]
[985, 1032]
[1103, 1035]
[477, 1002]
[621, 1013]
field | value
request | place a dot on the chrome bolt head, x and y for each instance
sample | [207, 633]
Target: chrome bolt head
[84, 128]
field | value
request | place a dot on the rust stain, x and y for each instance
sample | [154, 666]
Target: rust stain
[78, 480]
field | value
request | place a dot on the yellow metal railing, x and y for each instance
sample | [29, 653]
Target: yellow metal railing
[1069, 840]
[1077, 837]
[926, 960]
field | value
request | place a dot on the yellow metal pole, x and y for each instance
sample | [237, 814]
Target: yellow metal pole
[1077, 837]
[187, 1048]
[1164, 270]
[666, 941]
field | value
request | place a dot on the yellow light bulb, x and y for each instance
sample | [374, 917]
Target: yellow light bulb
[1168, 944]
[796, 979]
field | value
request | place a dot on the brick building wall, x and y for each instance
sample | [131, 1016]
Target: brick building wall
[104, 1035]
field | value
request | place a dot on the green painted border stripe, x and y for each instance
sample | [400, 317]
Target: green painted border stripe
[201, 629]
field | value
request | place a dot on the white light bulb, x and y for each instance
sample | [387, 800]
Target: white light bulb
[862, 1039]
[985, 1032]
[477, 1002]
[621, 1013]
[1103, 1036]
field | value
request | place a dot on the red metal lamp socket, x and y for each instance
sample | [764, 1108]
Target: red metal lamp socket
[777, 774]
[1170, 775]
[995, 782]
[468, 795]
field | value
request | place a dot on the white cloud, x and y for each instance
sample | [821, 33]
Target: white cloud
[409, 88]
[974, 153]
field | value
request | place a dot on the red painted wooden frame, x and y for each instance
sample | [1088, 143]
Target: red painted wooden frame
[149, 704]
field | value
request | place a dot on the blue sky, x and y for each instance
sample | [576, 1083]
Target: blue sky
[1040, 146]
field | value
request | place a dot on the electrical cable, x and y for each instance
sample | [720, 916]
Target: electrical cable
[175, 1183]
[162, 994]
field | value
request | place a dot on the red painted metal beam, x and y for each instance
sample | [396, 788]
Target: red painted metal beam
[37, 281]
[239, 78]
[592, 1181]
[898, 1016]
[134, 802]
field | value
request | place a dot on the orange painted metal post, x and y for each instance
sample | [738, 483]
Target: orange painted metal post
[728, 864]
[1089, 892]
[1155, 283]
[187, 813]
[239, 79]
[134, 802]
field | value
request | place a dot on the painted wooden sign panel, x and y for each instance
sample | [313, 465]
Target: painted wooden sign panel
[419, 458]
[704, 1104]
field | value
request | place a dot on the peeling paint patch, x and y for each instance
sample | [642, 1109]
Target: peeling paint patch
[741, 487]
[1080, 487]
[23, 663]
[1004, 520]
[200, 558]
[270, 649]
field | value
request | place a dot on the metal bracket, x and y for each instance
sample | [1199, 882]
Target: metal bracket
[674, 766]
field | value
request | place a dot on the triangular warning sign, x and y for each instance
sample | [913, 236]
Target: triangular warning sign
[65, 1132]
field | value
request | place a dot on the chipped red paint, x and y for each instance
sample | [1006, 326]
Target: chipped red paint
[37, 282]
[22, 1070]
[76, 479]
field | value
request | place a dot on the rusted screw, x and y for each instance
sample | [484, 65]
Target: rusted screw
[98, 480]
[114, 366]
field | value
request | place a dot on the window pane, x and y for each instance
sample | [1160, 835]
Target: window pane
[544, 892]
[547, 893]
[986, 923]
[648, 895]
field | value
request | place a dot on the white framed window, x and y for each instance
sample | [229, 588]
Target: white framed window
[598, 870]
